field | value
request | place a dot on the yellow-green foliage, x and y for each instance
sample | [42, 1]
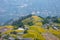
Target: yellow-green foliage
[27, 20]
[19, 31]
[36, 18]
[1, 27]
[9, 26]
[33, 34]
[58, 24]
[38, 24]
[38, 29]
[29, 35]
[8, 32]
[58, 19]
[35, 31]
[55, 32]
[13, 35]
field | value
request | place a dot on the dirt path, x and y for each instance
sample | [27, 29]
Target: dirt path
[49, 36]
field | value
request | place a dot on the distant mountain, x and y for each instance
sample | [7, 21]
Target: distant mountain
[16, 21]
[19, 21]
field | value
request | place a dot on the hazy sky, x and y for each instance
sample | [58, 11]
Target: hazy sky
[14, 8]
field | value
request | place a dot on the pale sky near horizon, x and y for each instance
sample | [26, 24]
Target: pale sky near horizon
[14, 8]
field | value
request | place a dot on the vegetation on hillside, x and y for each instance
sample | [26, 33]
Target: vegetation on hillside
[31, 26]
